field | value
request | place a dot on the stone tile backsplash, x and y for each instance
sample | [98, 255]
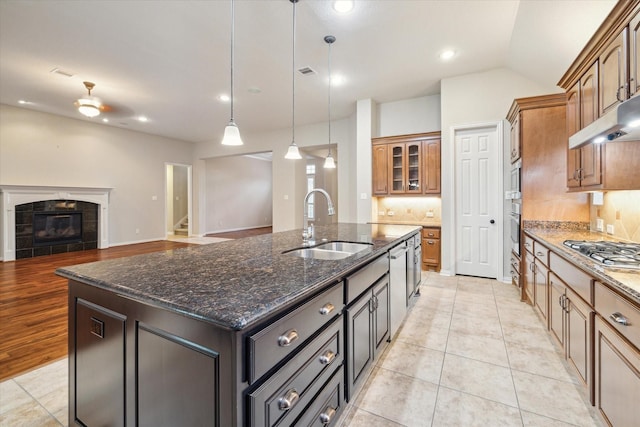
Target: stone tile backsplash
[622, 210]
[420, 209]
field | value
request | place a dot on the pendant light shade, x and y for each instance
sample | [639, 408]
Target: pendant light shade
[231, 132]
[89, 106]
[293, 153]
[329, 162]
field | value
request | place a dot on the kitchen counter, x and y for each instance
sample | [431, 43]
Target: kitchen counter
[627, 281]
[235, 284]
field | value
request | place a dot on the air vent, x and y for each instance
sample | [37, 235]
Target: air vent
[62, 72]
[306, 71]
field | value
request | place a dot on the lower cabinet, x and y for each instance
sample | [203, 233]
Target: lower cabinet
[571, 324]
[617, 376]
[528, 279]
[431, 248]
[367, 332]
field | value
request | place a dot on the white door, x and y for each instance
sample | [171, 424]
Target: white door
[478, 201]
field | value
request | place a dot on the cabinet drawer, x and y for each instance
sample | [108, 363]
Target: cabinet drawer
[528, 243]
[327, 406]
[541, 252]
[515, 264]
[362, 279]
[579, 281]
[275, 342]
[613, 307]
[299, 380]
[431, 233]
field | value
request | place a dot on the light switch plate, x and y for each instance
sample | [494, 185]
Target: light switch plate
[599, 224]
[610, 229]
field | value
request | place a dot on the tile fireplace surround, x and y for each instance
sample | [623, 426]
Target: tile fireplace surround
[13, 195]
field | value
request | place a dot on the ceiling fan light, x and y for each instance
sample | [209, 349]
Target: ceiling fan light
[329, 162]
[231, 135]
[293, 153]
[88, 109]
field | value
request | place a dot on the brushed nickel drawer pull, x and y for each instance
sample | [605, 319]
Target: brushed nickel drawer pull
[287, 401]
[327, 415]
[327, 357]
[327, 308]
[288, 337]
[619, 318]
[539, 253]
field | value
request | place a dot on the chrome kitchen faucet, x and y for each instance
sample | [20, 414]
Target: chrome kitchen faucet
[307, 231]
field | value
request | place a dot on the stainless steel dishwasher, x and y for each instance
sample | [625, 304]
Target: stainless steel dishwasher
[398, 287]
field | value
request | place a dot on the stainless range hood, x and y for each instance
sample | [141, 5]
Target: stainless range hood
[620, 124]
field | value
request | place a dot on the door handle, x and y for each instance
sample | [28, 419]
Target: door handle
[492, 221]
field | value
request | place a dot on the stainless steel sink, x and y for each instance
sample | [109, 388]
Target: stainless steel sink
[329, 250]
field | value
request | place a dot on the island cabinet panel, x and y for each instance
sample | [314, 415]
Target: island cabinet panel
[367, 332]
[285, 395]
[328, 404]
[170, 366]
[98, 365]
[147, 357]
[281, 338]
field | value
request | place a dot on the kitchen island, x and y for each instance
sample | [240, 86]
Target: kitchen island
[228, 334]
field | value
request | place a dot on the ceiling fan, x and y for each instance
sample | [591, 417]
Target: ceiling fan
[91, 106]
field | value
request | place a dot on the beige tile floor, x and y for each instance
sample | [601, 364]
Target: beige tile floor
[468, 354]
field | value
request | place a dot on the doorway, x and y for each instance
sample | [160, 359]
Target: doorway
[178, 221]
[478, 200]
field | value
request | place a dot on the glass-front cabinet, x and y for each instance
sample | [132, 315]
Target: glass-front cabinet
[406, 175]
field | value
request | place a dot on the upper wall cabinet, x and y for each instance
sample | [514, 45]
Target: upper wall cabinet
[406, 164]
[603, 75]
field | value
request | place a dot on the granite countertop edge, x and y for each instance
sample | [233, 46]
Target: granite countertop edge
[626, 281]
[240, 290]
[416, 223]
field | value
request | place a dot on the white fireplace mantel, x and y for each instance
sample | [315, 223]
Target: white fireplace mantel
[13, 195]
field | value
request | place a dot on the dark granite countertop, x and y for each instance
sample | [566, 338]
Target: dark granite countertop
[627, 281]
[234, 284]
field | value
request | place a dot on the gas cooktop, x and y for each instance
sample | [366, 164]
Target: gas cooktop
[610, 254]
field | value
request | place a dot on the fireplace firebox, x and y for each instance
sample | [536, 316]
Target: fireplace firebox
[56, 228]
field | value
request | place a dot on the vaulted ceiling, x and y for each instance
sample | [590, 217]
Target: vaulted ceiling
[170, 60]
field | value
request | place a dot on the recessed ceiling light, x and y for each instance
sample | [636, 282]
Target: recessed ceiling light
[105, 120]
[337, 80]
[23, 102]
[447, 54]
[143, 119]
[343, 6]
[224, 98]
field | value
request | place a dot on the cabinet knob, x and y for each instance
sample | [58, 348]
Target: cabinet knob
[619, 318]
[326, 416]
[288, 337]
[327, 357]
[287, 401]
[539, 253]
[327, 308]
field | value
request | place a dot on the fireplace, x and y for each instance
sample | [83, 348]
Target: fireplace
[58, 227]
[55, 226]
[20, 208]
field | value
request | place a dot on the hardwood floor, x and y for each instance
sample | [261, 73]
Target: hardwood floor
[243, 233]
[33, 305]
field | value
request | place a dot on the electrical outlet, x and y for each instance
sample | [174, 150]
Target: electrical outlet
[610, 229]
[380, 213]
[390, 213]
[429, 214]
[599, 224]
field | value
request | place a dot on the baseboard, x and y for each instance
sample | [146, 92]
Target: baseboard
[228, 230]
[134, 242]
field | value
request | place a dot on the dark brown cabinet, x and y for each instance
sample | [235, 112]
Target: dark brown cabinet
[634, 55]
[380, 171]
[406, 168]
[431, 248]
[431, 166]
[613, 79]
[411, 165]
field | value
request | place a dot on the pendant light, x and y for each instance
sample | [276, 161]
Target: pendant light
[329, 162]
[231, 132]
[89, 106]
[293, 152]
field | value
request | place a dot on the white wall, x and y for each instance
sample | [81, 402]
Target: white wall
[417, 115]
[474, 98]
[43, 149]
[289, 176]
[239, 193]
